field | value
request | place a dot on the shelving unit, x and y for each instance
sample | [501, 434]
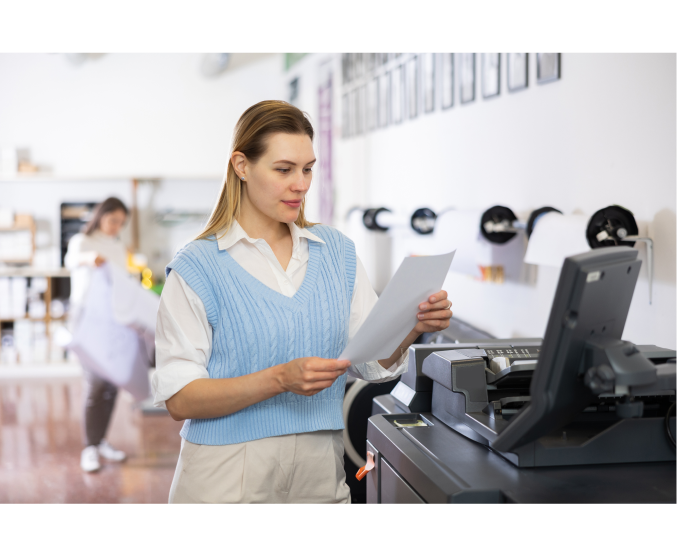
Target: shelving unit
[49, 274]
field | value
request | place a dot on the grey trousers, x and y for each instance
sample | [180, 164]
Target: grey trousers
[99, 400]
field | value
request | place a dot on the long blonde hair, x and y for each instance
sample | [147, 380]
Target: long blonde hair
[255, 125]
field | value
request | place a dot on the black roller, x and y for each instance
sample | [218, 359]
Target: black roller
[423, 221]
[617, 222]
[536, 215]
[369, 219]
[356, 428]
[497, 214]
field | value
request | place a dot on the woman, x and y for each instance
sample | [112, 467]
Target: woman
[253, 314]
[96, 245]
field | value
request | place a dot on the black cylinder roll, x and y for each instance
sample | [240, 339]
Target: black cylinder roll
[496, 215]
[608, 227]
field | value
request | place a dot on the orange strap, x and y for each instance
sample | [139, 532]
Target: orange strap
[367, 467]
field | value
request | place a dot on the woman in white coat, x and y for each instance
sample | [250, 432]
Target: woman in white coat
[97, 244]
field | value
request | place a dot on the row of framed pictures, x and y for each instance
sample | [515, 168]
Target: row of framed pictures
[412, 86]
[356, 65]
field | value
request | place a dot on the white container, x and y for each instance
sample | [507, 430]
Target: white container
[5, 298]
[23, 340]
[6, 217]
[19, 292]
[9, 161]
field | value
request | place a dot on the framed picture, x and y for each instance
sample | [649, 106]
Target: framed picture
[370, 62]
[547, 67]
[362, 108]
[412, 87]
[518, 71]
[355, 112]
[345, 113]
[294, 91]
[428, 61]
[467, 77]
[360, 62]
[491, 75]
[447, 80]
[372, 104]
[383, 99]
[344, 68]
[397, 87]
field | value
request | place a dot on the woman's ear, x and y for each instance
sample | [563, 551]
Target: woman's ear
[239, 161]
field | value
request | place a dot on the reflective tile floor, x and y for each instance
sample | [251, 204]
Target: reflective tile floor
[40, 444]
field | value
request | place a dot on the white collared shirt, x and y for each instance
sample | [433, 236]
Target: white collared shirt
[183, 338]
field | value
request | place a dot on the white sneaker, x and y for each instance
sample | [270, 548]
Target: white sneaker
[107, 451]
[89, 459]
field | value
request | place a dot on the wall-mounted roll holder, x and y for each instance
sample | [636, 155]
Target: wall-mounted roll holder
[382, 219]
[499, 224]
[615, 225]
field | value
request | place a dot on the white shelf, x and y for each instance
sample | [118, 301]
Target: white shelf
[40, 370]
[46, 177]
[30, 272]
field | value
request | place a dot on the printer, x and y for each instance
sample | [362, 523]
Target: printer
[581, 416]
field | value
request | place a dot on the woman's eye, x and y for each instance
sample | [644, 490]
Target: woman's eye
[283, 170]
[308, 170]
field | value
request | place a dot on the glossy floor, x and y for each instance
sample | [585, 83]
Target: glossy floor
[40, 444]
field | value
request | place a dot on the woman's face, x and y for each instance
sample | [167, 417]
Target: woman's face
[112, 222]
[280, 179]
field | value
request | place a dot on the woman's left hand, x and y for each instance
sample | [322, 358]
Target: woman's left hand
[434, 314]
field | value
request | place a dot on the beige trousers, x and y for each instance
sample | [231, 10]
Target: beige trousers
[302, 468]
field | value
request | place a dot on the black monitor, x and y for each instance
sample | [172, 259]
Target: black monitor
[593, 298]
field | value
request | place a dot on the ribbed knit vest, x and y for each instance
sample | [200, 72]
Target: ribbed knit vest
[255, 327]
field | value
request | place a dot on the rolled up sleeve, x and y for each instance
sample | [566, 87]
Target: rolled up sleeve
[183, 340]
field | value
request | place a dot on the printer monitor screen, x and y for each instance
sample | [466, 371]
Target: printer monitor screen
[592, 299]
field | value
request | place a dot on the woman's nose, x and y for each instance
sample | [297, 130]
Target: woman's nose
[301, 183]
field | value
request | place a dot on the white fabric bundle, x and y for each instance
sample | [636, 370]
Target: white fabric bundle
[115, 333]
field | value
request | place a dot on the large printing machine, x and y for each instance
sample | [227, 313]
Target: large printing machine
[578, 417]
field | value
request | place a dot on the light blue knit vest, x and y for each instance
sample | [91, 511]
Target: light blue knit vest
[254, 327]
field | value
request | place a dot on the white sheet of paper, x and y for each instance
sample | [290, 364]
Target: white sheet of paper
[394, 315]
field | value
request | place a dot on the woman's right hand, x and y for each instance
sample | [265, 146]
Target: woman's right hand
[99, 260]
[309, 375]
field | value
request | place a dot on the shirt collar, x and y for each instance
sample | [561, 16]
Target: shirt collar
[236, 233]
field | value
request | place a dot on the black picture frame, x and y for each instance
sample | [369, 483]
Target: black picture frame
[517, 71]
[372, 104]
[397, 94]
[360, 60]
[446, 80]
[355, 110]
[548, 67]
[491, 74]
[412, 70]
[370, 62]
[466, 77]
[383, 100]
[429, 80]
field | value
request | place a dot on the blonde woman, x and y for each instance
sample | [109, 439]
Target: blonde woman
[252, 317]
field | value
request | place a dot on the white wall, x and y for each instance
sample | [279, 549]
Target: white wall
[126, 115]
[604, 134]
[130, 114]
